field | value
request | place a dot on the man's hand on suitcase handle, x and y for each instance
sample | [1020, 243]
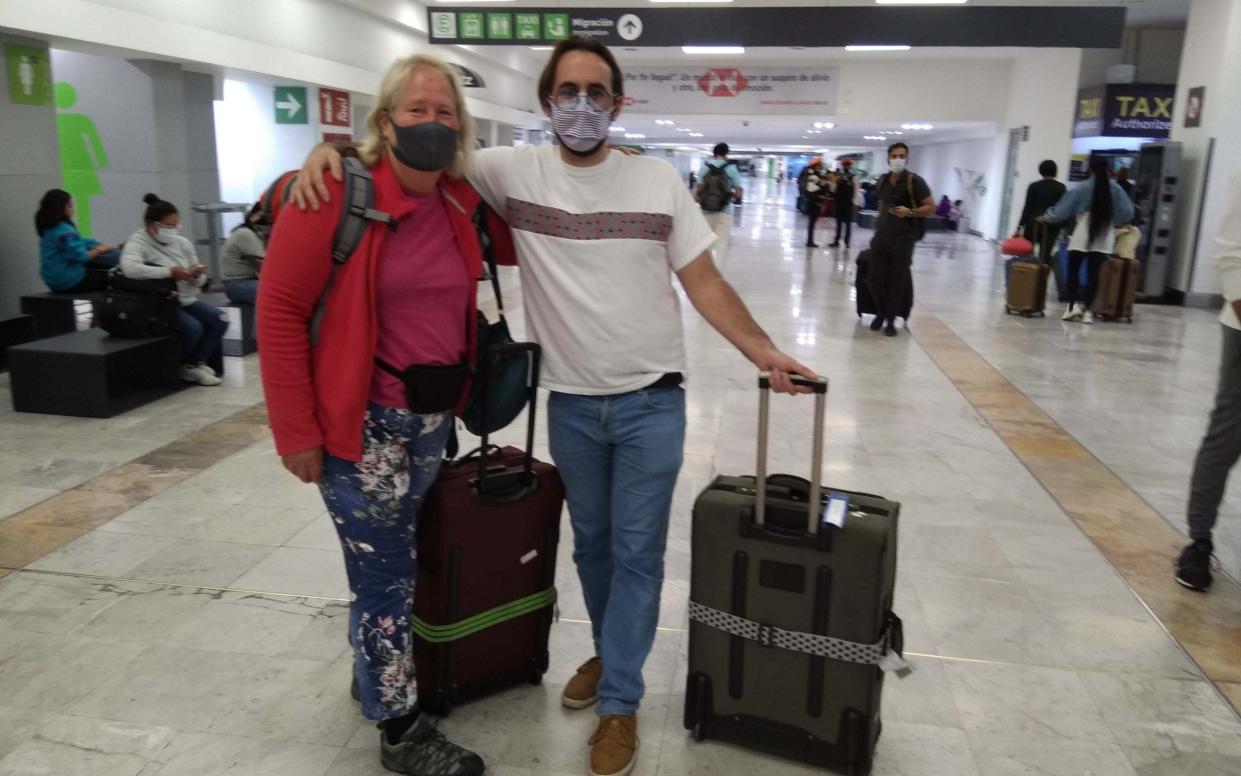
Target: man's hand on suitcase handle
[781, 366]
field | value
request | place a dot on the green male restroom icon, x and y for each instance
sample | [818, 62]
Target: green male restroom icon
[81, 155]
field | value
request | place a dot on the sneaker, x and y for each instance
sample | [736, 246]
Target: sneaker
[812, 245]
[1193, 568]
[614, 746]
[423, 751]
[192, 374]
[583, 689]
[1070, 313]
[202, 367]
[876, 324]
[835, 245]
[1087, 317]
[890, 329]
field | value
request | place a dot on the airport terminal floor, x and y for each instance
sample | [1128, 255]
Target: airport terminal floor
[174, 604]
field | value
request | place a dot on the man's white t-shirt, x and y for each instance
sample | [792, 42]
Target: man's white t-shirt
[597, 246]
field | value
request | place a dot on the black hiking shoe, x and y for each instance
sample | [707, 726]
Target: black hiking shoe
[876, 324]
[424, 751]
[1193, 569]
[890, 329]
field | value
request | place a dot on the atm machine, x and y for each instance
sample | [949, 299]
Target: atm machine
[1157, 195]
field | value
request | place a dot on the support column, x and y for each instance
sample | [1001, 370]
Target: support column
[1211, 153]
[1042, 96]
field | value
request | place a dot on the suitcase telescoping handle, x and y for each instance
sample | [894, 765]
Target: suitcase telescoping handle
[816, 452]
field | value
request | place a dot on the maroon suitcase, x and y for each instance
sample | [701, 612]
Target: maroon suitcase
[486, 591]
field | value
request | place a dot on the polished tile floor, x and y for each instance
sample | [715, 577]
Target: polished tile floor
[172, 602]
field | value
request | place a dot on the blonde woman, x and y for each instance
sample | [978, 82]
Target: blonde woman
[406, 297]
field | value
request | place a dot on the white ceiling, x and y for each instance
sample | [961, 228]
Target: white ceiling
[786, 132]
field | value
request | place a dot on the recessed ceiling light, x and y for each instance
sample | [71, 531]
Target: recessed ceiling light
[616, 129]
[921, 2]
[691, 1]
[462, 2]
[635, 135]
[877, 47]
[541, 48]
[713, 49]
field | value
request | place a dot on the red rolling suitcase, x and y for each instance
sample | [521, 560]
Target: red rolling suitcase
[486, 570]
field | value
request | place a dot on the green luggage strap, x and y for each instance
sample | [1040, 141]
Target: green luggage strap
[439, 634]
[878, 654]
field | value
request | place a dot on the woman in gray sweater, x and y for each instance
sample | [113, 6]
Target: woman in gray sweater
[158, 251]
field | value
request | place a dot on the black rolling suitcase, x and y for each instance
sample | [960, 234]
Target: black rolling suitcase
[865, 299]
[791, 622]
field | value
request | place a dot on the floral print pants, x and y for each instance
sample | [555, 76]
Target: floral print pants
[375, 504]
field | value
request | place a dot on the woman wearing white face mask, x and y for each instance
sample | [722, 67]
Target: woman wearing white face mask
[158, 251]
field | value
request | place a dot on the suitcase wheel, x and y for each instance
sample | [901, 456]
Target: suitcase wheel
[696, 732]
[1008, 310]
[535, 678]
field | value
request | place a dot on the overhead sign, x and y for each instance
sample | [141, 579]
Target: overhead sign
[291, 105]
[469, 78]
[335, 108]
[30, 75]
[732, 90]
[986, 26]
[1125, 110]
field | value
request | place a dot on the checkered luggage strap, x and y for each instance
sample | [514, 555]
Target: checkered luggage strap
[881, 653]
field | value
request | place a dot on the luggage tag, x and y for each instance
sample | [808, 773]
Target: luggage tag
[894, 663]
[836, 510]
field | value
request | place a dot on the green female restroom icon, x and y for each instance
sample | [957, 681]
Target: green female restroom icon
[81, 155]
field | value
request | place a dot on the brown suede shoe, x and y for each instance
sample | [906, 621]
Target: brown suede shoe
[583, 689]
[614, 746]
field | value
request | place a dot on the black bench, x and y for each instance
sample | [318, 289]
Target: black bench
[14, 331]
[94, 375]
[55, 312]
[240, 339]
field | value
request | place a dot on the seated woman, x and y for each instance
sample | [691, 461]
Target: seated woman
[954, 215]
[66, 258]
[158, 251]
[944, 207]
[242, 258]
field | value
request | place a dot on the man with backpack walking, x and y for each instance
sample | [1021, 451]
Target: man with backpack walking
[904, 202]
[719, 183]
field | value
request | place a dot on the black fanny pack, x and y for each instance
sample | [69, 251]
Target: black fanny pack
[430, 388]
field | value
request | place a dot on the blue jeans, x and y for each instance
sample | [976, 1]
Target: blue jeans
[375, 504]
[619, 457]
[202, 330]
[242, 290]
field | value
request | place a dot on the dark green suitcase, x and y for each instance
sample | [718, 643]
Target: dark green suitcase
[791, 622]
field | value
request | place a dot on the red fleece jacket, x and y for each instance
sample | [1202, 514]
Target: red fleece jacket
[316, 397]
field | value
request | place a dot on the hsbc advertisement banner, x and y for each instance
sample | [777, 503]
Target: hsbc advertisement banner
[732, 90]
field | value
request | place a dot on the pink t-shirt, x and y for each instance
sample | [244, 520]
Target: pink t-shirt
[423, 296]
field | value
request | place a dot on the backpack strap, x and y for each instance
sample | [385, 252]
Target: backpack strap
[355, 218]
[479, 219]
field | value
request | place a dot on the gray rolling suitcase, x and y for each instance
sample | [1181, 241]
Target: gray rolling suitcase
[791, 622]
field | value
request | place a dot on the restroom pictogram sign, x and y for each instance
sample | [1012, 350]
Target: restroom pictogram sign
[723, 82]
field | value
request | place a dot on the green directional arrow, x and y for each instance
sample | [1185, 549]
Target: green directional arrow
[291, 105]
